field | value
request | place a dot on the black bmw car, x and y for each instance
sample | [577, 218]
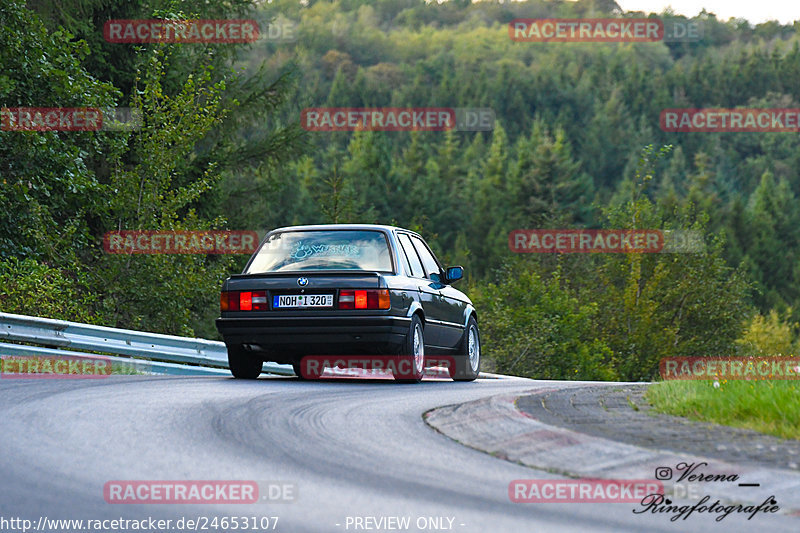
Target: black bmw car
[347, 289]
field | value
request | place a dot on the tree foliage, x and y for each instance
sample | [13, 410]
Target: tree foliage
[573, 145]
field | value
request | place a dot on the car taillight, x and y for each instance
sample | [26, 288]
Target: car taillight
[364, 299]
[361, 299]
[260, 301]
[243, 301]
[223, 301]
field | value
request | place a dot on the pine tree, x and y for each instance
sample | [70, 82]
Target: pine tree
[774, 244]
[548, 185]
[367, 167]
[490, 211]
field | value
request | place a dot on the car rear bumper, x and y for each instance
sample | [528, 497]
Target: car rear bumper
[316, 334]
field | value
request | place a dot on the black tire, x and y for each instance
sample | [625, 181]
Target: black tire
[243, 365]
[296, 367]
[414, 343]
[468, 367]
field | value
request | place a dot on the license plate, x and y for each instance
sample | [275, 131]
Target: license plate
[303, 300]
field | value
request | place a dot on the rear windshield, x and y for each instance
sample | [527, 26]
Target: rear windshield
[291, 251]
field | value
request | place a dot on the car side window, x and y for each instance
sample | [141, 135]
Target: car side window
[428, 261]
[416, 267]
[401, 253]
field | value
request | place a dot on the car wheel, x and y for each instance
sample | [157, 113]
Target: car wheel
[296, 367]
[414, 352]
[468, 360]
[243, 365]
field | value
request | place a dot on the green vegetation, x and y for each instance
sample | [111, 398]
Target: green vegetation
[576, 144]
[768, 406]
[61, 191]
[771, 407]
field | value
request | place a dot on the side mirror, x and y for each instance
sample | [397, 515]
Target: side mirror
[454, 274]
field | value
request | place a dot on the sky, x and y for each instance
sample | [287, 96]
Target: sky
[755, 11]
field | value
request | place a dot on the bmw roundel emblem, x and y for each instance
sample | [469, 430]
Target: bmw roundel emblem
[302, 281]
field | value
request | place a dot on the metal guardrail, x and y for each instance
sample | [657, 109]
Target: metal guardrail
[60, 337]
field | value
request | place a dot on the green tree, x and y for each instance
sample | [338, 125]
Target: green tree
[155, 194]
[548, 186]
[661, 305]
[48, 185]
[489, 204]
[536, 328]
[772, 243]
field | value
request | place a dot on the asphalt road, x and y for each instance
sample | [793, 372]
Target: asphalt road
[351, 448]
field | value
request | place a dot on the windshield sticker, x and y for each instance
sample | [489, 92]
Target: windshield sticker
[303, 251]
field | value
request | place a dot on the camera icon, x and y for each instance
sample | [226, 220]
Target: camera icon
[663, 473]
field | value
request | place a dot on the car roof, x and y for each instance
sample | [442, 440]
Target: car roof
[317, 227]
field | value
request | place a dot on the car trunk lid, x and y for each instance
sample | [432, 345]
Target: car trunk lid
[305, 281]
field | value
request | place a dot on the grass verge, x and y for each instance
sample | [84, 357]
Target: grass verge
[771, 407]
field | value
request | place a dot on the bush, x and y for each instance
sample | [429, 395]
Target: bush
[533, 328]
[33, 288]
[769, 336]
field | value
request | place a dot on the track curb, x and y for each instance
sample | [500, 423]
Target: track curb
[495, 425]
